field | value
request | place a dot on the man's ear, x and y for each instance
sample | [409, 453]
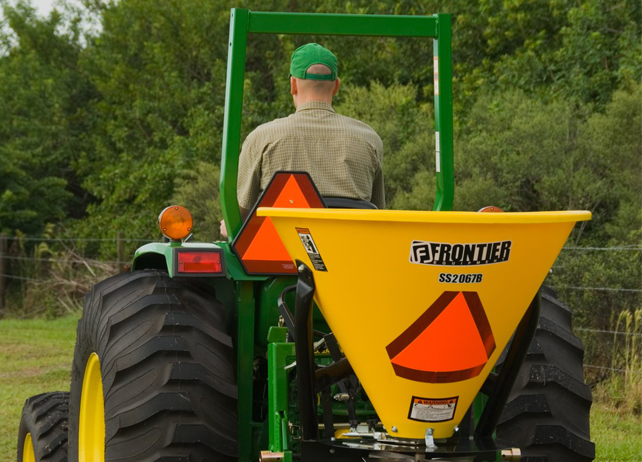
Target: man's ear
[293, 89]
[337, 84]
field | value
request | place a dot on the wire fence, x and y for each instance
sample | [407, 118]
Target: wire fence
[73, 239]
[613, 249]
[20, 278]
[90, 261]
[65, 260]
[599, 289]
[116, 262]
[614, 332]
[140, 239]
[95, 262]
[613, 369]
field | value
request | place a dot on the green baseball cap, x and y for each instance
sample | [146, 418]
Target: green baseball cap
[309, 55]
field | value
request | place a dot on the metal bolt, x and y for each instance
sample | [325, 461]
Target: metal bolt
[266, 456]
[514, 454]
[394, 429]
[291, 201]
[301, 268]
[332, 451]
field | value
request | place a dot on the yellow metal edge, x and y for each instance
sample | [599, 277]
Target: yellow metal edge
[429, 217]
[28, 453]
[91, 427]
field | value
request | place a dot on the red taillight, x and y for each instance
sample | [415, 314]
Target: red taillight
[199, 262]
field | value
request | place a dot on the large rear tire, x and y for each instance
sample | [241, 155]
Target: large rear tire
[42, 436]
[547, 414]
[157, 351]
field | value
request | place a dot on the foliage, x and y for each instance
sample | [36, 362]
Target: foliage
[623, 386]
[100, 129]
[54, 276]
[615, 137]
[402, 124]
[103, 121]
[41, 95]
[197, 190]
[160, 74]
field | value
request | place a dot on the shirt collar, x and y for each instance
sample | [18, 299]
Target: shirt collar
[314, 105]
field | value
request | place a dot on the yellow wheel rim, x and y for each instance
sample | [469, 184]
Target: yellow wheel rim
[91, 431]
[27, 452]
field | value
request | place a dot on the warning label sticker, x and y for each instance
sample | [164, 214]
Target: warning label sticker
[311, 248]
[432, 409]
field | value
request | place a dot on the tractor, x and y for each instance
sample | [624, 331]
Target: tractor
[323, 330]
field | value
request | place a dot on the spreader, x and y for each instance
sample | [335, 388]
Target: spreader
[422, 304]
[324, 330]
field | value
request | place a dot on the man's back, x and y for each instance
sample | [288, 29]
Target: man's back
[344, 156]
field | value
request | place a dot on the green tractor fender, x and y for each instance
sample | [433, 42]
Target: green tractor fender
[164, 256]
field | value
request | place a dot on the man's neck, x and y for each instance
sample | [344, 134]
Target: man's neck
[308, 99]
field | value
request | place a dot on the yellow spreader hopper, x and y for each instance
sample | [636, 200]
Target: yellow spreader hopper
[423, 303]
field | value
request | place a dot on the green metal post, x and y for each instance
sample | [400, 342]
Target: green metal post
[443, 115]
[279, 355]
[343, 24]
[232, 121]
[245, 365]
[244, 22]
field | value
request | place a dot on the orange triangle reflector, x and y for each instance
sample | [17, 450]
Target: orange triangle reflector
[258, 246]
[291, 196]
[450, 342]
[266, 245]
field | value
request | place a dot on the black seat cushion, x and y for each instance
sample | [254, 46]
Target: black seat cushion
[345, 203]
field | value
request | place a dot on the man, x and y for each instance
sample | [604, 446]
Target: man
[342, 155]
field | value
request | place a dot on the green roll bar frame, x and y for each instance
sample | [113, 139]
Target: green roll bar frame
[244, 22]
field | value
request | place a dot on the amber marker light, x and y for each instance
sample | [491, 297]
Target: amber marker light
[491, 209]
[175, 222]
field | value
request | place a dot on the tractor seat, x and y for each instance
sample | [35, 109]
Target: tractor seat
[345, 203]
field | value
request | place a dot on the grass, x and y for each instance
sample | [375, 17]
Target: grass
[36, 355]
[617, 436]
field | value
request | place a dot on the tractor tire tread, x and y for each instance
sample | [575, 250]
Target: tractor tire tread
[45, 417]
[168, 368]
[547, 413]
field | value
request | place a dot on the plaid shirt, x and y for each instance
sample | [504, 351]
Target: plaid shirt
[342, 155]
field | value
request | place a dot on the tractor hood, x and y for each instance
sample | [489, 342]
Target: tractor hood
[423, 303]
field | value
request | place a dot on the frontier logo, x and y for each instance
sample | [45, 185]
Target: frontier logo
[444, 254]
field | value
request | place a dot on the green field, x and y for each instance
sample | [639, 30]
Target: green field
[35, 356]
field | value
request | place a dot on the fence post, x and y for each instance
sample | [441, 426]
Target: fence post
[120, 251]
[3, 271]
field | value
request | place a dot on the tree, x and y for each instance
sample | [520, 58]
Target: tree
[41, 100]
[159, 68]
[196, 191]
